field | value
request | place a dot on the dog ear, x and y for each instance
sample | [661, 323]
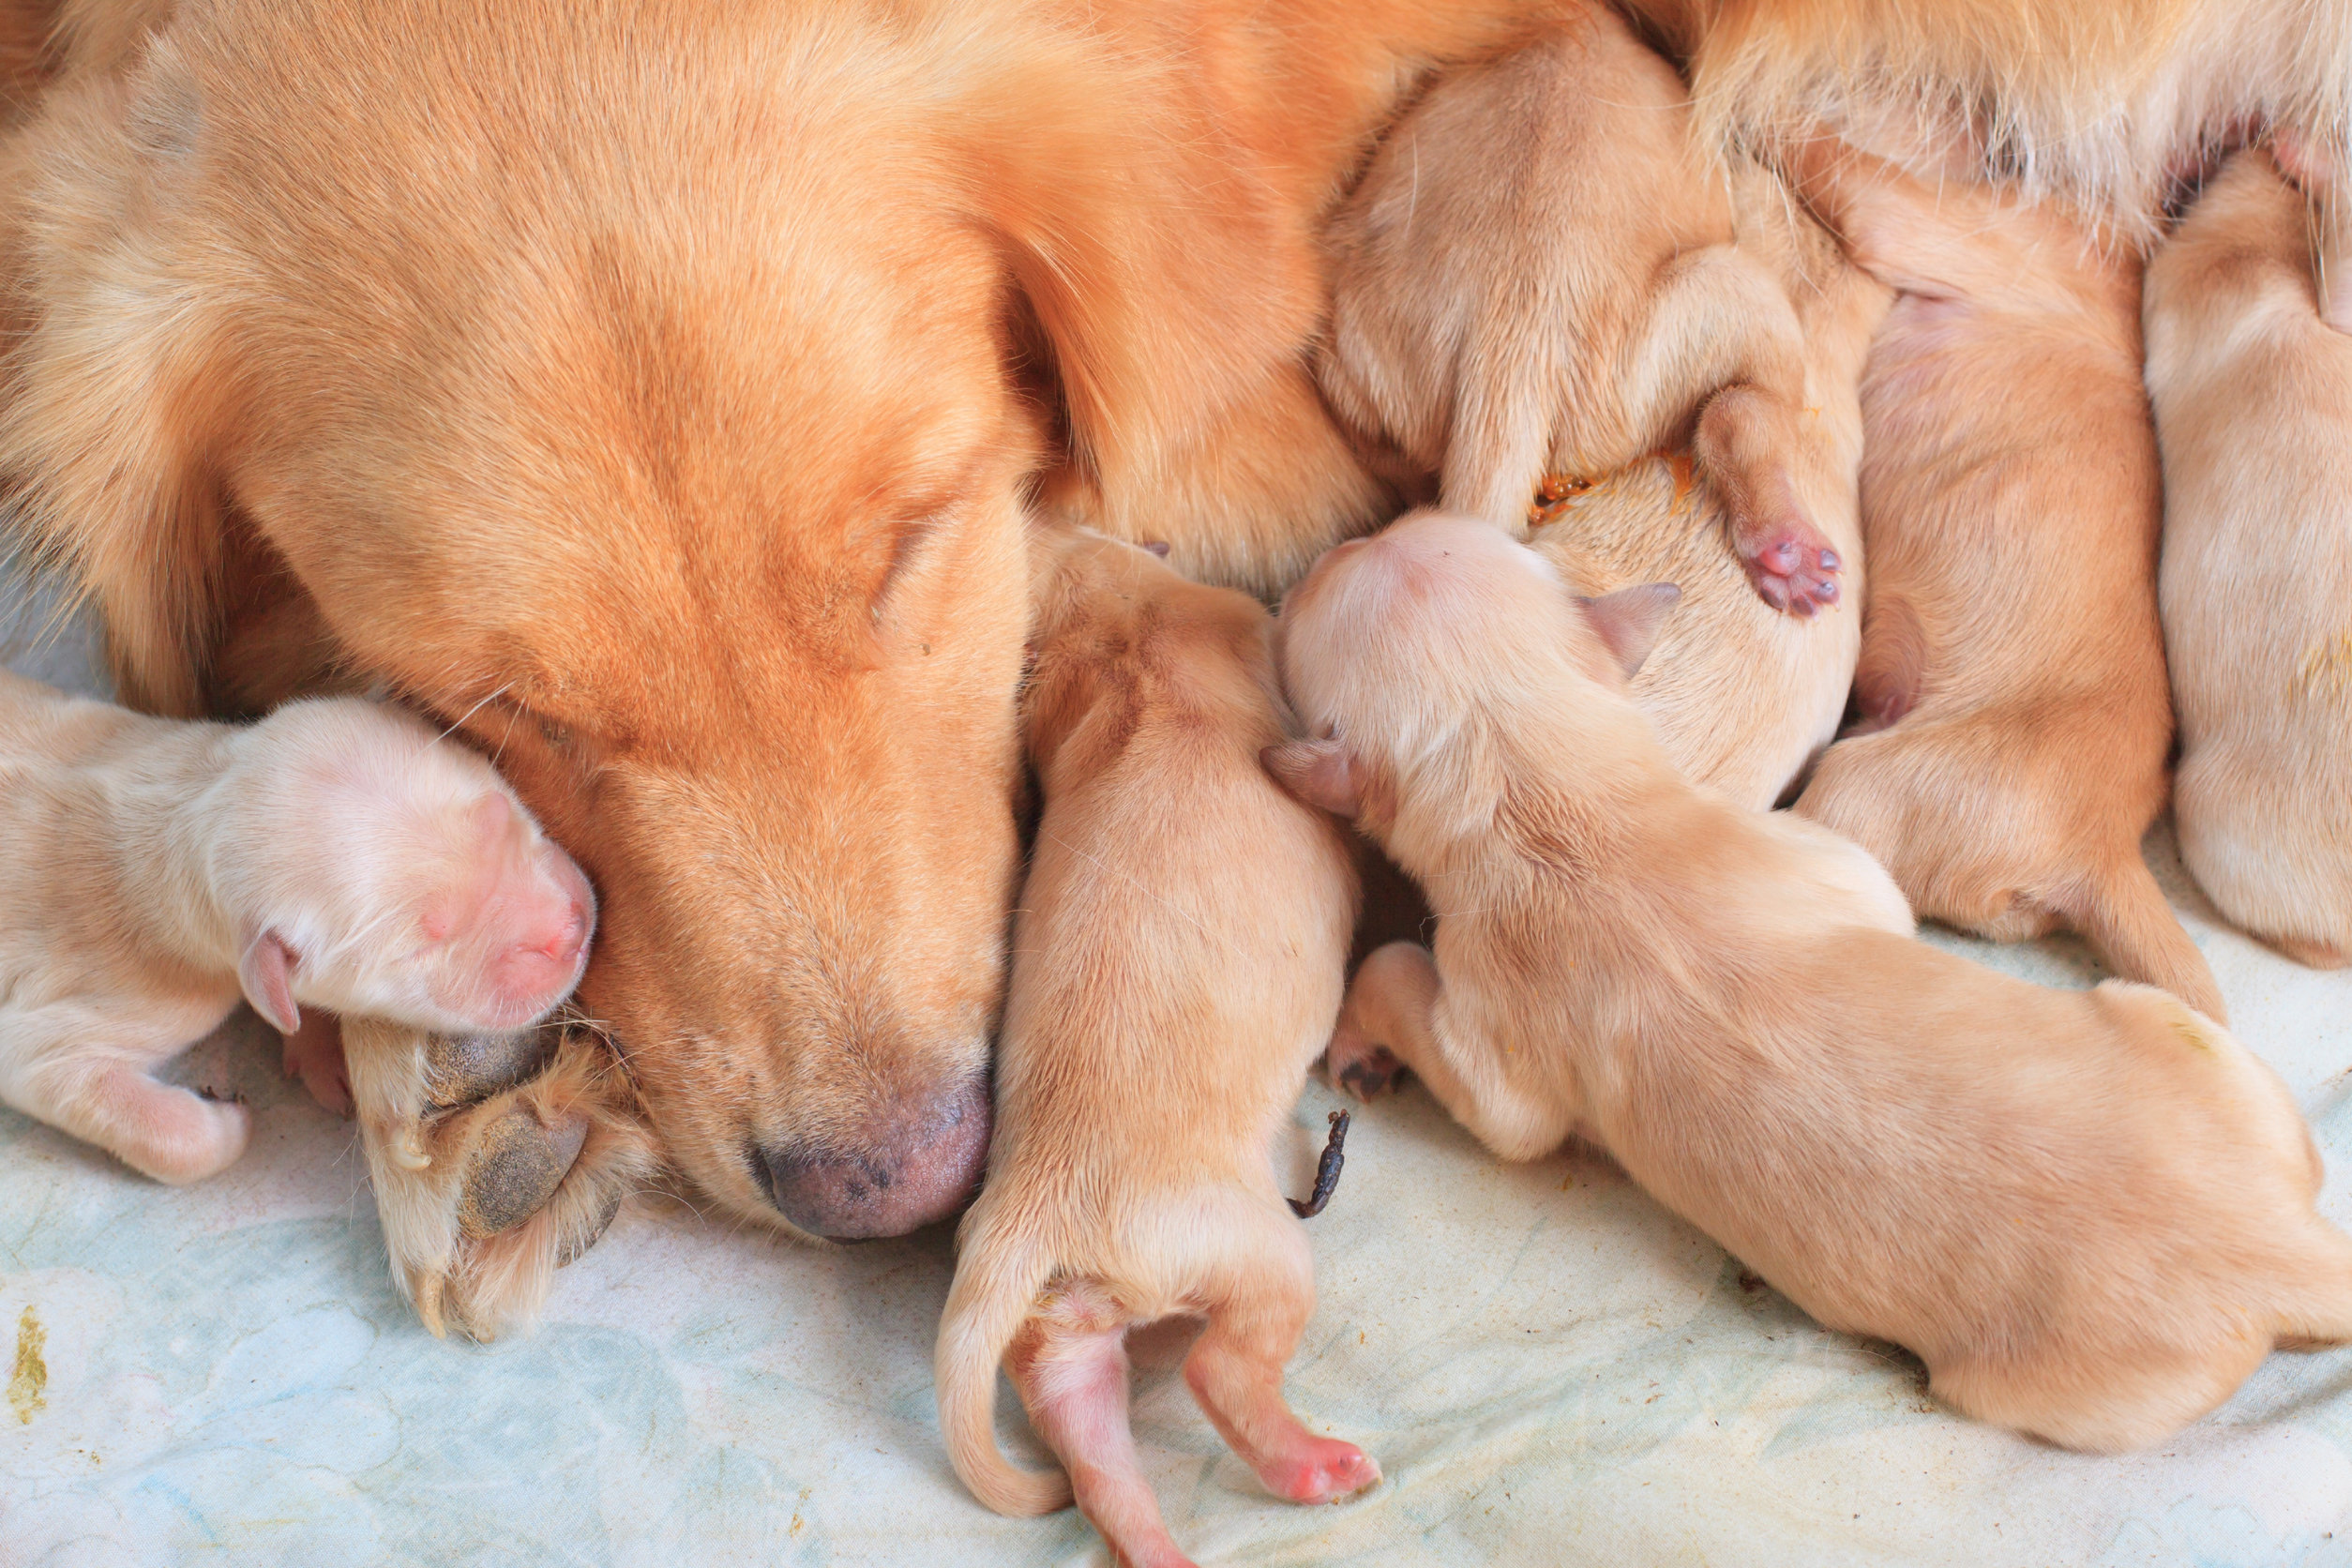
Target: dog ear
[267, 974]
[1629, 619]
[1165, 280]
[112, 386]
[1322, 773]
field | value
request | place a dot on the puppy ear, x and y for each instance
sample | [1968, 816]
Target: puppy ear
[267, 972]
[1322, 773]
[1629, 619]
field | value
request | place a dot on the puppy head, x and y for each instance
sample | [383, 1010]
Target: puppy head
[381, 872]
[1410, 654]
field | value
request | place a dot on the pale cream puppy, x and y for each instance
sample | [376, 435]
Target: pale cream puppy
[2091, 1214]
[2253, 411]
[1541, 274]
[2016, 718]
[1178, 960]
[334, 855]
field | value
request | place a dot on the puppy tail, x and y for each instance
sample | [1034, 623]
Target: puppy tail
[2127, 922]
[995, 1291]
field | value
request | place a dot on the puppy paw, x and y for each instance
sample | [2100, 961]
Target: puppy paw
[1791, 568]
[496, 1160]
[1743, 443]
[1326, 1470]
[1360, 1067]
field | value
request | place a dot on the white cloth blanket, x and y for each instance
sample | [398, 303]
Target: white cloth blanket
[1550, 1368]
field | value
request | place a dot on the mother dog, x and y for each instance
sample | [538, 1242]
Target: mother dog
[658, 390]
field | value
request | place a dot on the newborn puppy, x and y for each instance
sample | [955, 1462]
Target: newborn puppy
[1742, 698]
[334, 855]
[2091, 1214]
[1541, 274]
[1177, 965]
[2015, 720]
[2253, 410]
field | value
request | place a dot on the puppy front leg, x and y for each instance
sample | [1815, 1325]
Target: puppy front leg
[85, 1074]
[1389, 1026]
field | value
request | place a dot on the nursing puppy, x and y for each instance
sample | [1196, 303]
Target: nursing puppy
[1541, 273]
[334, 855]
[2253, 411]
[2011, 684]
[2089, 1213]
[1177, 964]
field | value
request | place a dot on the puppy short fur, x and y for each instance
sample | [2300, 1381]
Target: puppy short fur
[2089, 1213]
[2253, 411]
[1542, 273]
[2011, 684]
[1177, 965]
[335, 855]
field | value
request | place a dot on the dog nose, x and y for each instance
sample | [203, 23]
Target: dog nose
[908, 1170]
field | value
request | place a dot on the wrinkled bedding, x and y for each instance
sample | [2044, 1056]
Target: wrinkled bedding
[1550, 1368]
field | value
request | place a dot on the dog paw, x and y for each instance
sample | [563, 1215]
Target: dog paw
[1360, 1067]
[496, 1160]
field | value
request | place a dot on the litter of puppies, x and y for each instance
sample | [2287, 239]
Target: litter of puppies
[1898, 467]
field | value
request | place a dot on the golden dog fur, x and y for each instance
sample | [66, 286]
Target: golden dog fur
[1177, 961]
[1542, 273]
[2253, 411]
[2020, 750]
[2089, 1213]
[662, 390]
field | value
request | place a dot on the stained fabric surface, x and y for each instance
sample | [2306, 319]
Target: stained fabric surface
[1550, 1369]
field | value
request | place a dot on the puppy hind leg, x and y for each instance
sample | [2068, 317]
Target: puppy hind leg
[1235, 1368]
[1070, 1366]
[1723, 339]
[1747, 444]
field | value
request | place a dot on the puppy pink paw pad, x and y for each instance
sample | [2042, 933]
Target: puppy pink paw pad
[1794, 570]
[1327, 1471]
